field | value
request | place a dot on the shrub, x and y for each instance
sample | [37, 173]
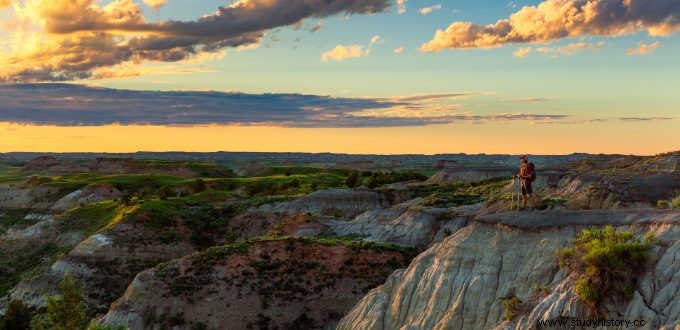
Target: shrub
[66, 311]
[97, 326]
[17, 316]
[607, 263]
[662, 204]
[352, 179]
[199, 186]
[511, 305]
[447, 232]
[373, 182]
[675, 203]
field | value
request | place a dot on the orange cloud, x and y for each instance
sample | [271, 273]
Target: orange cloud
[643, 49]
[341, 53]
[155, 4]
[522, 52]
[556, 19]
[54, 40]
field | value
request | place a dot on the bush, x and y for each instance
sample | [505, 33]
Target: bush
[97, 326]
[662, 204]
[675, 203]
[17, 316]
[199, 186]
[607, 263]
[66, 311]
[352, 179]
[511, 305]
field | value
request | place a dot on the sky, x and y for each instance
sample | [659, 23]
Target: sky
[362, 76]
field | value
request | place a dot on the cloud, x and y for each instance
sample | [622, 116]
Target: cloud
[155, 4]
[643, 49]
[316, 27]
[399, 50]
[341, 53]
[600, 120]
[428, 10]
[435, 97]
[5, 3]
[344, 52]
[78, 105]
[567, 50]
[56, 40]
[401, 6]
[570, 49]
[556, 19]
[522, 52]
[631, 119]
[528, 100]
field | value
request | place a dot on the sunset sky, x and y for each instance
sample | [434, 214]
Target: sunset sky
[363, 76]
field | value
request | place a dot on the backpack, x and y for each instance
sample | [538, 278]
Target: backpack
[532, 167]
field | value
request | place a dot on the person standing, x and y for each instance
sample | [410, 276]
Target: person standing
[527, 175]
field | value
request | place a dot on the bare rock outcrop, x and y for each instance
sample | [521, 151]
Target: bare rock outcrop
[461, 282]
[87, 195]
[406, 224]
[345, 203]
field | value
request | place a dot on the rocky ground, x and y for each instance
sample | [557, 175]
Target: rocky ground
[220, 258]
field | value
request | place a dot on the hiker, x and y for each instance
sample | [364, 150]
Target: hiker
[527, 175]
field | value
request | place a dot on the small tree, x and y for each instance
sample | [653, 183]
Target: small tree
[66, 311]
[352, 179]
[17, 316]
[199, 186]
[126, 199]
[373, 182]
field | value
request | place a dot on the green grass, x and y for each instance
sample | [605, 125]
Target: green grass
[607, 263]
[460, 192]
[301, 170]
[30, 260]
[12, 175]
[90, 218]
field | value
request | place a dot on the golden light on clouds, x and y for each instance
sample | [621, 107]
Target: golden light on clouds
[556, 19]
[57, 40]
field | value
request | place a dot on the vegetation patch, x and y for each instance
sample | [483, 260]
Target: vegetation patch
[460, 192]
[674, 203]
[607, 263]
[511, 306]
[373, 179]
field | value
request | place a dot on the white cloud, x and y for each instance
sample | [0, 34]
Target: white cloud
[401, 6]
[428, 10]
[399, 50]
[375, 39]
